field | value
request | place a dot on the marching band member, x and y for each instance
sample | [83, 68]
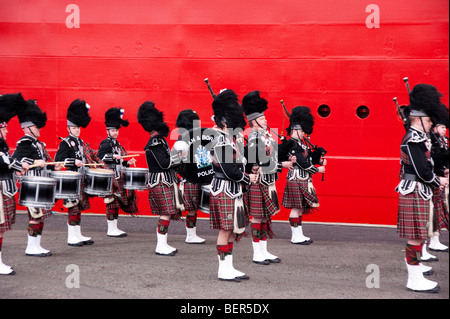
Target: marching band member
[32, 151]
[417, 180]
[111, 153]
[299, 194]
[262, 159]
[440, 155]
[227, 213]
[191, 191]
[74, 152]
[163, 187]
[10, 105]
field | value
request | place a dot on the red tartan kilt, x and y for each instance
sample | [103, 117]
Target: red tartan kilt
[191, 196]
[9, 211]
[126, 201]
[83, 202]
[45, 213]
[162, 200]
[413, 215]
[221, 212]
[440, 210]
[254, 201]
[296, 196]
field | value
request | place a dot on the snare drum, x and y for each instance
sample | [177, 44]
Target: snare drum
[68, 184]
[37, 191]
[135, 178]
[203, 206]
[98, 182]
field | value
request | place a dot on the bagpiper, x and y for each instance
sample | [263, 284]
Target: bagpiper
[262, 159]
[299, 193]
[227, 211]
[191, 191]
[112, 153]
[10, 105]
[75, 152]
[31, 150]
[164, 196]
[417, 180]
[440, 155]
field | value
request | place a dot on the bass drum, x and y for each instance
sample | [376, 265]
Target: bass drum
[197, 165]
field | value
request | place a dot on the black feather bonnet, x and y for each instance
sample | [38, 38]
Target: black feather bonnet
[425, 100]
[78, 114]
[152, 119]
[186, 119]
[32, 115]
[114, 118]
[10, 106]
[301, 118]
[254, 105]
[227, 110]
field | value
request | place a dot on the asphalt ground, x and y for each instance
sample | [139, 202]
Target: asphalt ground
[343, 262]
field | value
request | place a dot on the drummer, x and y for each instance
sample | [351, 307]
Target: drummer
[75, 153]
[112, 153]
[32, 151]
[10, 104]
[163, 192]
[192, 192]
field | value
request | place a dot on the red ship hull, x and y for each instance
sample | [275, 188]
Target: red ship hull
[326, 52]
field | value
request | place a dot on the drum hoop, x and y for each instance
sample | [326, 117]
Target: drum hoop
[38, 180]
[135, 169]
[65, 174]
[97, 172]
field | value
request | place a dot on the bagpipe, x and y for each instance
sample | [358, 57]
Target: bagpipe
[400, 110]
[433, 136]
[317, 153]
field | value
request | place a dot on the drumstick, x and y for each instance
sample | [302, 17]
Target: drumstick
[46, 163]
[131, 155]
[94, 164]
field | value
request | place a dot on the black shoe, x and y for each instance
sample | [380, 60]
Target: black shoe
[264, 262]
[439, 250]
[236, 279]
[76, 244]
[118, 236]
[306, 242]
[274, 261]
[428, 273]
[431, 259]
[36, 255]
[171, 254]
[88, 242]
[429, 291]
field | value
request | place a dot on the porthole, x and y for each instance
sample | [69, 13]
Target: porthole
[323, 110]
[362, 112]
